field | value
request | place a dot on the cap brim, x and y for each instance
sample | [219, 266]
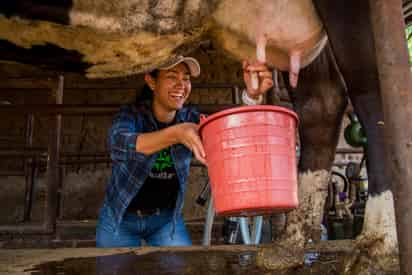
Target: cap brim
[190, 62]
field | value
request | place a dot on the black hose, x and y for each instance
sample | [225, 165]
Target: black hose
[362, 162]
[345, 180]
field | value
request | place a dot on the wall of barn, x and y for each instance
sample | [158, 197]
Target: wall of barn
[84, 184]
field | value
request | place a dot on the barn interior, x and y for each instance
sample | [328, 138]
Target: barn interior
[56, 109]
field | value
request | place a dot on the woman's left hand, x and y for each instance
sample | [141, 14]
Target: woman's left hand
[264, 75]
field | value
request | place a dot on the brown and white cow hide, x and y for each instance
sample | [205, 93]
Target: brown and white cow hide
[290, 30]
[118, 38]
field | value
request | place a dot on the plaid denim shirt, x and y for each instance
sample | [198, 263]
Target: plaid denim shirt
[131, 168]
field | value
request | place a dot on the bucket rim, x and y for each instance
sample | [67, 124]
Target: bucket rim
[245, 109]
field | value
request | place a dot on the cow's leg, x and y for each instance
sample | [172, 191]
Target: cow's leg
[350, 34]
[379, 221]
[320, 101]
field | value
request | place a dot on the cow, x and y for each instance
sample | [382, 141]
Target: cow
[106, 39]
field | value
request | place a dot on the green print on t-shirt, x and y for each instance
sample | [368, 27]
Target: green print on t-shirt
[163, 161]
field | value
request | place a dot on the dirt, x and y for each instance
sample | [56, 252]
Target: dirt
[337, 257]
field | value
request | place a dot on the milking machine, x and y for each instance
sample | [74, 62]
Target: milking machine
[345, 207]
[348, 190]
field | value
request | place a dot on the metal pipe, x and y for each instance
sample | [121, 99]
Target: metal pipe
[207, 229]
[257, 229]
[396, 91]
[244, 230]
[256, 235]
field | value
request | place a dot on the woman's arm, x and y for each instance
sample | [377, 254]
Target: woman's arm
[184, 133]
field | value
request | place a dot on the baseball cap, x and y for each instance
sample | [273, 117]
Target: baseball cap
[190, 62]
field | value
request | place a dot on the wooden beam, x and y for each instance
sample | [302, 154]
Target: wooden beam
[78, 82]
[90, 109]
[396, 91]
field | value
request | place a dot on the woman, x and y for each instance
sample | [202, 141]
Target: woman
[151, 145]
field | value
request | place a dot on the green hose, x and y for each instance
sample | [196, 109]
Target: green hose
[354, 134]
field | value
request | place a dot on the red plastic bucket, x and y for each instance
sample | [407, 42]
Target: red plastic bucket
[251, 157]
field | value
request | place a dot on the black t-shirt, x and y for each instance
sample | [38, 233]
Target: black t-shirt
[161, 187]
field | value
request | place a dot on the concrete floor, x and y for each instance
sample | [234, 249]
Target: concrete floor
[22, 261]
[198, 260]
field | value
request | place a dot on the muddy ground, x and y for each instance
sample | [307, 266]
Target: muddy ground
[337, 257]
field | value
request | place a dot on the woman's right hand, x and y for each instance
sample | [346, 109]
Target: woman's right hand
[188, 134]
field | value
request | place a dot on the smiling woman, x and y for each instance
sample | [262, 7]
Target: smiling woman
[150, 165]
[151, 146]
[171, 89]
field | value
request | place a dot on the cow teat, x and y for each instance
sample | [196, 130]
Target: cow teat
[294, 68]
[260, 56]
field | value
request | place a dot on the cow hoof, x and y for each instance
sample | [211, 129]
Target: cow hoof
[360, 262]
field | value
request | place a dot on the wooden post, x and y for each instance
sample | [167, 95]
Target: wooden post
[396, 91]
[29, 170]
[52, 193]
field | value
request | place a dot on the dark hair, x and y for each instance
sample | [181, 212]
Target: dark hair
[146, 93]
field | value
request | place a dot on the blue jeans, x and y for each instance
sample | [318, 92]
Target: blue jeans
[156, 230]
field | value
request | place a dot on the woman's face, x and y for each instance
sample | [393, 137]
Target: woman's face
[172, 87]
